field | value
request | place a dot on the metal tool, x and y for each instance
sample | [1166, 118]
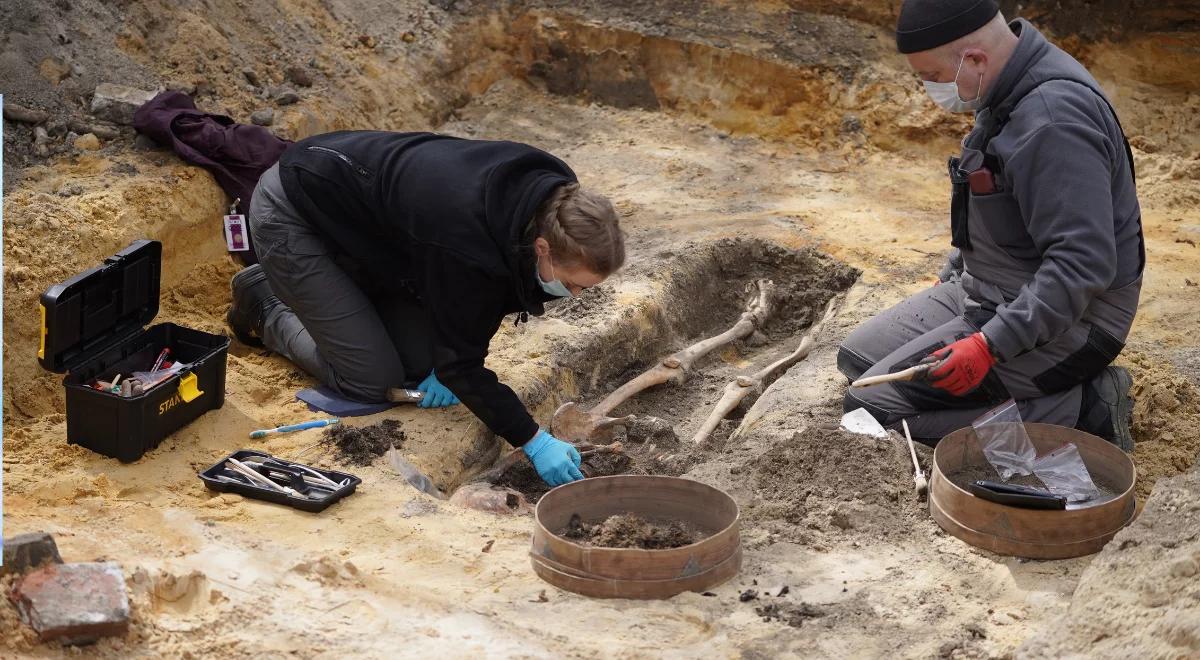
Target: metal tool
[918, 476]
[1015, 495]
[400, 395]
[312, 475]
[918, 371]
[315, 424]
[412, 475]
[239, 478]
[259, 479]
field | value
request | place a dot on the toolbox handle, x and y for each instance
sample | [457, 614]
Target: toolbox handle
[189, 389]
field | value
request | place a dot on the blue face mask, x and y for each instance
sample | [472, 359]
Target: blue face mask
[554, 287]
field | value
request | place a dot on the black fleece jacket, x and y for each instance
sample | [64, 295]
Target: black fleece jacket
[448, 219]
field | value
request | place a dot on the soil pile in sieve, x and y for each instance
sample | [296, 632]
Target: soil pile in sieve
[628, 530]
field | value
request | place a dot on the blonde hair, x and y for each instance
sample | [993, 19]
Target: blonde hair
[582, 228]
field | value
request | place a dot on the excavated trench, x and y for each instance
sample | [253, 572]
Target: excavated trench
[702, 291]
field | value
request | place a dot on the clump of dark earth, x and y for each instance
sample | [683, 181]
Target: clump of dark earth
[524, 479]
[793, 615]
[362, 445]
[647, 428]
[805, 280]
[628, 530]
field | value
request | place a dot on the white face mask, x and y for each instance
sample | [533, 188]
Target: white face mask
[946, 94]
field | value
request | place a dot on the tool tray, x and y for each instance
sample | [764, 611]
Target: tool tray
[93, 327]
[212, 478]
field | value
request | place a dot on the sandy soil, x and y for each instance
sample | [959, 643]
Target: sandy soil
[792, 124]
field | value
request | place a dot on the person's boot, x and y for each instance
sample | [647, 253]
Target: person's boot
[252, 300]
[1107, 407]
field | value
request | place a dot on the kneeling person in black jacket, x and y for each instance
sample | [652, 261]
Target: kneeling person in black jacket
[390, 259]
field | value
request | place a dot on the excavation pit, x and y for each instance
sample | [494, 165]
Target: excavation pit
[705, 291]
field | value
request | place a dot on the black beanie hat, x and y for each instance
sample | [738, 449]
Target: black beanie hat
[927, 24]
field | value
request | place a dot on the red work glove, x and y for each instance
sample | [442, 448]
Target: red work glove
[967, 361]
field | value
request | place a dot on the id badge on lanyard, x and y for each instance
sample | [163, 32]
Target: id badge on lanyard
[236, 232]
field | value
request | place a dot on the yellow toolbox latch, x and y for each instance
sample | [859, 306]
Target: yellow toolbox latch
[188, 388]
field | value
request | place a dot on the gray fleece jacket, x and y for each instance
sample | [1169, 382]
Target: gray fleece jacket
[1073, 236]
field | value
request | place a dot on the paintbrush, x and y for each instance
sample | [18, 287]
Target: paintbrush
[315, 424]
[918, 371]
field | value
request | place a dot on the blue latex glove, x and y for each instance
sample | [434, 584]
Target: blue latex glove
[556, 462]
[436, 394]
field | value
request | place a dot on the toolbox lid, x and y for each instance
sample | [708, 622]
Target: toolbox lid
[100, 308]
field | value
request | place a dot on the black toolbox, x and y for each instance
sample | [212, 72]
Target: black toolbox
[93, 327]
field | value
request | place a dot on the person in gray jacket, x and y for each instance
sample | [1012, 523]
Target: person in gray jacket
[1042, 285]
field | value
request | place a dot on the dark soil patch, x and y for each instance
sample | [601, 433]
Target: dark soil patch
[646, 428]
[804, 280]
[629, 530]
[524, 479]
[362, 445]
[793, 615]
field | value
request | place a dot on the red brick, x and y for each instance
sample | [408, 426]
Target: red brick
[76, 603]
[25, 551]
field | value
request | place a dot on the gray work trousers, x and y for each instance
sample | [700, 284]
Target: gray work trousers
[357, 344]
[906, 333]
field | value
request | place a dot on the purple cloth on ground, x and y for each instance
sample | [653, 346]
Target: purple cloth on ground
[236, 154]
[323, 399]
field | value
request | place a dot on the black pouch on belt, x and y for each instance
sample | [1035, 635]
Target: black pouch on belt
[960, 199]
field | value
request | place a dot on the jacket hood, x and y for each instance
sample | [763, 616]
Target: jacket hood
[515, 189]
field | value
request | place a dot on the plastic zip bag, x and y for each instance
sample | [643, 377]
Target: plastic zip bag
[1004, 441]
[1064, 473]
[152, 378]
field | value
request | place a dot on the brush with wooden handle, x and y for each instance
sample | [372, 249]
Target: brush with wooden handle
[919, 371]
